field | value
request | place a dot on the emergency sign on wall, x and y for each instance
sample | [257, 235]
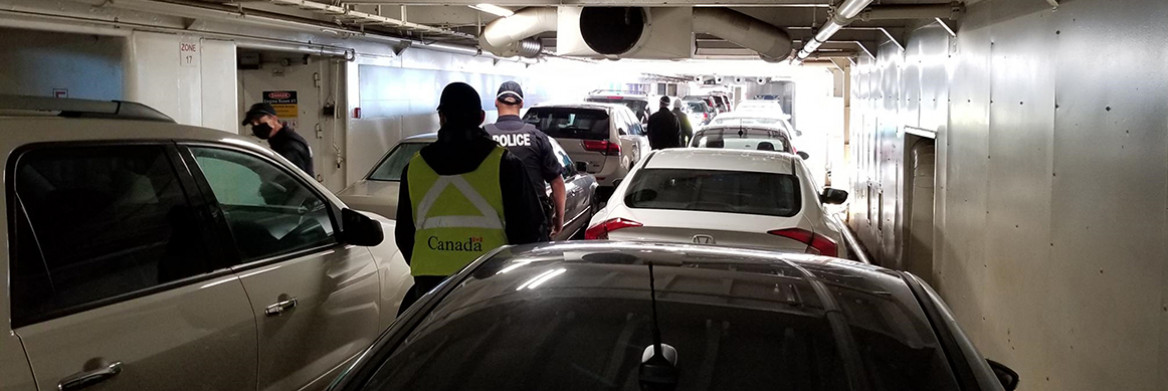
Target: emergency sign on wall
[283, 101]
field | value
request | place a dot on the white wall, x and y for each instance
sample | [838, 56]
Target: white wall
[37, 63]
[200, 91]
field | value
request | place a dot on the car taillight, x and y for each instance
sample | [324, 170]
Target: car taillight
[817, 244]
[602, 146]
[600, 231]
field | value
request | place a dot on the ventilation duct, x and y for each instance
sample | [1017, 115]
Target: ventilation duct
[631, 32]
[772, 43]
[507, 37]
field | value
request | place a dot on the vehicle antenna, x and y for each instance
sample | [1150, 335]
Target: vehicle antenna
[658, 370]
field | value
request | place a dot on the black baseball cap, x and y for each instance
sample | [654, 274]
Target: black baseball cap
[459, 97]
[258, 110]
[510, 93]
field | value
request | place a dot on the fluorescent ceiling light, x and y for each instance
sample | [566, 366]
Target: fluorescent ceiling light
[493, 9]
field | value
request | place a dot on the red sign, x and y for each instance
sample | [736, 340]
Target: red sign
[279, 95]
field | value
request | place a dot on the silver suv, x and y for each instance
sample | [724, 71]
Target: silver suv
[146, 255]
[608, 138]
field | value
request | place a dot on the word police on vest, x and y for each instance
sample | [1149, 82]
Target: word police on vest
[513, 140]
[471, 244]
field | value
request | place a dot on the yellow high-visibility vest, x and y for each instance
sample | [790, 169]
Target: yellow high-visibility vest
[457, 217]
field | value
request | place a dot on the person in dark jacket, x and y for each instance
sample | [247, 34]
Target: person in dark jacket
[664, 130]
[452, 206]
[683, 120]
[281, 137]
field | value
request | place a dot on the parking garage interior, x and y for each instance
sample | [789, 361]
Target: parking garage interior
[1011, 153]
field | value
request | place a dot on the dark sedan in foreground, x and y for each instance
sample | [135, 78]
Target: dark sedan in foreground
[593, 316]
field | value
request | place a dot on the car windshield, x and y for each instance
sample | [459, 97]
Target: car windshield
[756, 193]
[390, 168]
[552, 322]
[742, 138]
[566, 122]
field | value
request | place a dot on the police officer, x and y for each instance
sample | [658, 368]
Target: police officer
[532, 147]
[462, 196]
[663, 129]
[281, 137]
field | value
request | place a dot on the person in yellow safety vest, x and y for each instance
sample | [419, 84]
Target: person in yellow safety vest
[462, 196]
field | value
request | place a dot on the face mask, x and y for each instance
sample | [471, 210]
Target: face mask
[263, 131]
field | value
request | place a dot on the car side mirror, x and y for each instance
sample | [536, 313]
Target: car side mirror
[359, 229]
[803, 155]
[833, 196]
[581, 167]
[1007, 376]
[621, 132]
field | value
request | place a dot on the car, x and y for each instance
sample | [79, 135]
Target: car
[750, 118]
[762, 105]
[607, 138]
[640, 104]
[699, 112]
[710, 101]
[378, 191]
[595, 315]
[147, 255]
[738, 198]
[748, 137]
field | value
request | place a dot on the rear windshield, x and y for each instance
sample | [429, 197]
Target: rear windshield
[753, 139]
[563, 122]
[633, 104]
[560, 331]
[390, 168]
[697, 106]
[757, 193]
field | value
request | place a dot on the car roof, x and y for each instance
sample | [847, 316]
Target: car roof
[723, 160]
[581, 105]
[422, 138]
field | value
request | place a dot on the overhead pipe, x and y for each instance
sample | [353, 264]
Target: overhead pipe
[910, 11]
[772, 43]
[508, 36]
[851, 10]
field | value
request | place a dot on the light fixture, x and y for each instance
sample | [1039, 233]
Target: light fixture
[493, 9]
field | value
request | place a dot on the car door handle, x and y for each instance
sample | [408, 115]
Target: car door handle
[81, 380]
[280, 307]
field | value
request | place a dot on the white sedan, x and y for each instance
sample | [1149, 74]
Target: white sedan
[751, 199]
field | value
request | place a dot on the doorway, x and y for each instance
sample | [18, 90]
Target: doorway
[921, 182]
[305, 91]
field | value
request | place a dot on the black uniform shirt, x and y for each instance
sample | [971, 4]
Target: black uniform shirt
[531, 146]
[293, 147]
[664, 130]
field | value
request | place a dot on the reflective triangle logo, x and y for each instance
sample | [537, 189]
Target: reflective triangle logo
[488, 219]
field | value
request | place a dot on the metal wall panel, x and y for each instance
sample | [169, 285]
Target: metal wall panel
[1052, 182]
[1018, 185]
[1109, 193]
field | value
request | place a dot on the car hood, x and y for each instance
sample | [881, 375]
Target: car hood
[374, 196]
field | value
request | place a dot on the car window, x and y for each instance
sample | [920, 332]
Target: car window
[715, 191]
[746, 138]
[268, 211]
[96, 223]
[566, 122]
[569, 168]
[390, 168]
[635, 127]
